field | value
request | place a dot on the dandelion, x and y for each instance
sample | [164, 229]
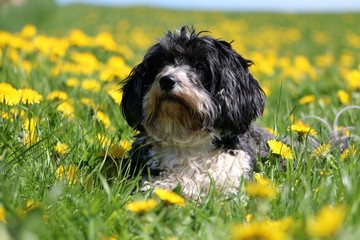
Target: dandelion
[103, 118]
[169, 197]
[103, 140]
[271, 131]
[61, 148]
[343, 131]
[72, 174]
[60, 95]
[280, 149]
[141, 207]
[260, 179]
[31, 204]
[260, 190]
[30, 136]
[353, 79]
[88, 102]
[8, 94]
[79, 38]
[91, 85]
[306, 99]
[321, 151]
[351, 151]
[72, 82]
[28, 31]
[343, 97]
[30, 96]
[264, 230]
[115, 151]
[327, 222]
[302, 129]
[249, 217]
[2, 215]
[67, 109]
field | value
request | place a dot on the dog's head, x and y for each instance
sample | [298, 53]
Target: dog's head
[187, 84]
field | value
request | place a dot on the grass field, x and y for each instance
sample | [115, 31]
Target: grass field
[60, 120]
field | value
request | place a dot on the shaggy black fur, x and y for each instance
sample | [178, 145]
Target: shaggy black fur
[237, 98]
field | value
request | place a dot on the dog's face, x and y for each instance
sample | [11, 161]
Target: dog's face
[189, 84]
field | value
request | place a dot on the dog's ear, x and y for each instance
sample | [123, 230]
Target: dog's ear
[240, 98]
[131, 103]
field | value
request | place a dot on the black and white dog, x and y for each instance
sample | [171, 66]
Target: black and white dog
[193, 100]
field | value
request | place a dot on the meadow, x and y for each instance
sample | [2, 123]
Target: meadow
[63, 138]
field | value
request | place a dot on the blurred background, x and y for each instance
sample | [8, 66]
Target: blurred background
[231, 5]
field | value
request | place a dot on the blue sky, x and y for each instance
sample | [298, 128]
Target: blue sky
[253, 5]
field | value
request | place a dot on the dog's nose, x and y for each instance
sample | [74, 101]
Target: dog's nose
[167, 83]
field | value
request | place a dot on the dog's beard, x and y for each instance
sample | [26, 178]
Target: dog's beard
[176, 116]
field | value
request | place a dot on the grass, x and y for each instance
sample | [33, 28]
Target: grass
[51, 194]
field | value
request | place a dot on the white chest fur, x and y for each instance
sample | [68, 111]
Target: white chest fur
[197, 168]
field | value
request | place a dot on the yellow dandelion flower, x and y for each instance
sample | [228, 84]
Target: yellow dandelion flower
[259, 190]
[67, 109]
[26, 66]
[249, 217]
[30, 124]
[103, 140]
[5, 115]
[61, 148]
[343, 130]
[31, 204]
[263, 230]
[79, 38]
[353, 79]
[169, 197]
[103, 118]
[280, 149]
[260, 179]
[30, 139]
[116, 151]
[106, 40]
[321, 151]
[141, 206]
[60, 171]
[60, 95]
[2, 215]
[125, 144]
[8, 94]
[327, 222]
[307, 99]
[88, 102]
[351, 151]
[271, 131]
[28, 31]
[302, 129]
[72, 174]
[30, 96]
[85, 59]
[343, 97]
[91, 85]
[72, 82]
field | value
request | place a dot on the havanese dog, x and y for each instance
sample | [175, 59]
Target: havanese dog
[193, 100]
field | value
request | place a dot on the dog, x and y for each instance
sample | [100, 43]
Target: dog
[193, 100]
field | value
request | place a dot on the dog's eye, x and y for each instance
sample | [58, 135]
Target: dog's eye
[200, 67]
